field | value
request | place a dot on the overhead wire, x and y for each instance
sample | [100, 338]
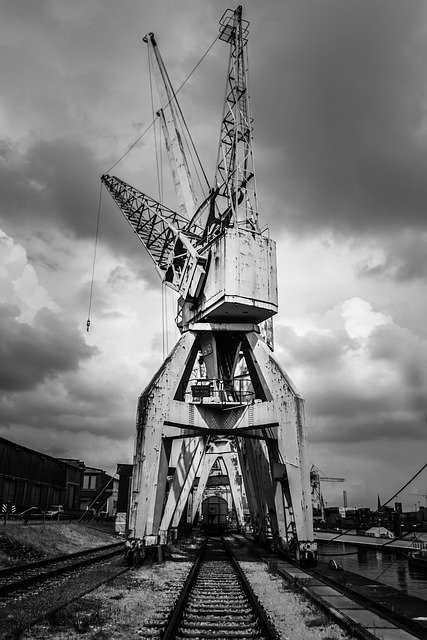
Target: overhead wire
[380, 546]
[175, 94]
[94, 258]
[160, 181]
[386, 503]
[395, 559]
[250, 120]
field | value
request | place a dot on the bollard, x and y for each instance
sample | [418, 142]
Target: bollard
[159, 553]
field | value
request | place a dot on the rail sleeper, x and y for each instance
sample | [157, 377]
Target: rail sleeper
[218, 602]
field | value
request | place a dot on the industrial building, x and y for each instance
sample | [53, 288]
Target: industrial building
[99, 492]
[30, 479]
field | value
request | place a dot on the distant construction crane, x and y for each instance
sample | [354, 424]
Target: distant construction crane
[423, 495]
[316, 477]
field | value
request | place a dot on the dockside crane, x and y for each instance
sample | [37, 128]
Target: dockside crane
[220, 393]
[423, 495]
[316, 478]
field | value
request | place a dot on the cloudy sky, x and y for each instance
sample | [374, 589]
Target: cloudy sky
[339, 98]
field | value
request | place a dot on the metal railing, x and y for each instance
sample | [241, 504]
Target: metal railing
[219, 391]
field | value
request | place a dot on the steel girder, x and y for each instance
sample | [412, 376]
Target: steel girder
[265, 442]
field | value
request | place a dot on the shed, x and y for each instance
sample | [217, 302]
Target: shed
[379, 532]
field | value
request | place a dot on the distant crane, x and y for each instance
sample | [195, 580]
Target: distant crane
[316, 478]
[423, 495]
[220, 393]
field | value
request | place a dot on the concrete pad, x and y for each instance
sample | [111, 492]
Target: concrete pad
[342, 602]
[368, 619]
[285, 565]
[394, 634]
[325, 591]
[298, 574]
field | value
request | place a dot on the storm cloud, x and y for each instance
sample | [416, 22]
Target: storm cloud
[30, 353]
[338, 95]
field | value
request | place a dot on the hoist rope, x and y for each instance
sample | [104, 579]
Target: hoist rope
[185, 123]
[190, 152]
[175, 94]
[248, 105]
[94, 258]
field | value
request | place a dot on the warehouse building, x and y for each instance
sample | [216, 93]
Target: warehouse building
[30, 479]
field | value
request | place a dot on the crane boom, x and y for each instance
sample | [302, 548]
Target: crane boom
[235, 174]
[158, 227]
[174, 136]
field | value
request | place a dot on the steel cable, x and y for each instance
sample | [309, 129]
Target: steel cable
[175, 94]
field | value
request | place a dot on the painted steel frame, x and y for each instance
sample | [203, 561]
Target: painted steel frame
[266, 442]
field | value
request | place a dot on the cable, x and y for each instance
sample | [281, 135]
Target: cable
[387, 567]
[94, 258]
[385, 503]
[404, 487]
[152, 123]
[185, 124]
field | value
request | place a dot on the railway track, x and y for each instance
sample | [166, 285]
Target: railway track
[23, 576]
[217, 601]
[29, 593]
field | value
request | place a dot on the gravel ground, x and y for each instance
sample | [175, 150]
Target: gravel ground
[20, 543]
[129, 607]
[19, 609]
[121, 609]
[293, 616]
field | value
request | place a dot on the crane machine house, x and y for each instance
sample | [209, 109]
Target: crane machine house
[220, 393]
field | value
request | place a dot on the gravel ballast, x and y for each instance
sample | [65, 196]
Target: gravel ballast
[134, 605]
[293, 615]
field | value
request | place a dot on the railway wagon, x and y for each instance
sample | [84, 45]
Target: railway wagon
[214, 513]
[33, 480]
